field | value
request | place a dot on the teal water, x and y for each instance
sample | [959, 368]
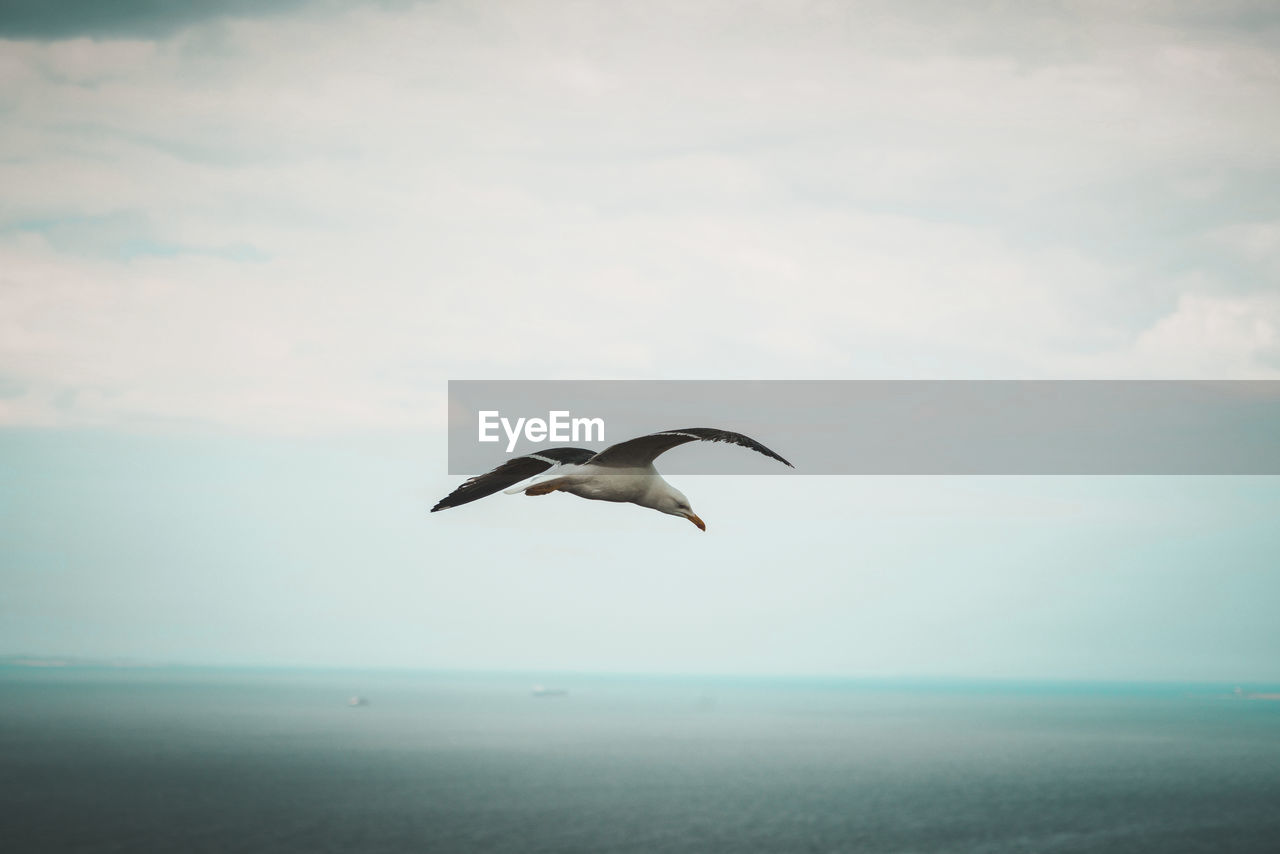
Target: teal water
[189, 760]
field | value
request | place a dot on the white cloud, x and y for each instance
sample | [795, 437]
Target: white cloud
[1208, 337]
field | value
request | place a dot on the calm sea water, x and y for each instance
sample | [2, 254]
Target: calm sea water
[186, 761]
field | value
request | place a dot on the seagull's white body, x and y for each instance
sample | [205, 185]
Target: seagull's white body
[642, 486]
[623, 473]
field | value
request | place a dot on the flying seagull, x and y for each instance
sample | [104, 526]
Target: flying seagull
[622, 472]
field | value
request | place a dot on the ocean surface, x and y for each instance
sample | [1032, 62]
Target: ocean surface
[177, 760]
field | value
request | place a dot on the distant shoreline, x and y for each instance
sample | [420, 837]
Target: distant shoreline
[1262, 690]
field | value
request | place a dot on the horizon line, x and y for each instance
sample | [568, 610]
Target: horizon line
[118, 663]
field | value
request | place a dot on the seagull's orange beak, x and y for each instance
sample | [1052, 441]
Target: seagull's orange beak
[693, 517]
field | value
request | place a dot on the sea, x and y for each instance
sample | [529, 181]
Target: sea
[132, 759]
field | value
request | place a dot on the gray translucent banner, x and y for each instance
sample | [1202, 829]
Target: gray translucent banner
[886, 427]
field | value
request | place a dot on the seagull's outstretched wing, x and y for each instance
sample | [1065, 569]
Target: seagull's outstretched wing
[643, 450]
[511, 472]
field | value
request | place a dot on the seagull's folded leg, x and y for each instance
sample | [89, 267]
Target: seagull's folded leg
[545, 487]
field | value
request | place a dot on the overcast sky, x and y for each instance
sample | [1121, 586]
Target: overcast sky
[242, 249]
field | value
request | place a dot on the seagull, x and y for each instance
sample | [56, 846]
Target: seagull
[623, 472]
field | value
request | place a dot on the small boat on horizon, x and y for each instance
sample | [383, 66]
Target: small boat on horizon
[541, 691]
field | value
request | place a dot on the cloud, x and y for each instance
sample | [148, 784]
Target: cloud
[309, 220]
[1235, 337]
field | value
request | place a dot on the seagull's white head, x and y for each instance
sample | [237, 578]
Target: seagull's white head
[673, 502]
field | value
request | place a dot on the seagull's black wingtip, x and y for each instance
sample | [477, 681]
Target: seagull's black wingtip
[775, 455]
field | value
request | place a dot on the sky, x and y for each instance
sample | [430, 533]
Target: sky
[244, 246]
